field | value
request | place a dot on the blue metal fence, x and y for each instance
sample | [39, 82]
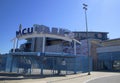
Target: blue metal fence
[47, 63]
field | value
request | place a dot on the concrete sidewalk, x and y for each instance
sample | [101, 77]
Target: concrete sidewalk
[76, 78]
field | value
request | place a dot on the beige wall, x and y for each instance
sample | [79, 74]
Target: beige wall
[108, 49]
[114, 42]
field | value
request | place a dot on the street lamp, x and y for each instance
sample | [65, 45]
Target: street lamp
[85, 8]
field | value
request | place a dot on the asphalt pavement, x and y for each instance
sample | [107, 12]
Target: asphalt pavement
[95, 77]
[109, 79]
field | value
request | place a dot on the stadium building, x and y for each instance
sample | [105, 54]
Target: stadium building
[45, 51]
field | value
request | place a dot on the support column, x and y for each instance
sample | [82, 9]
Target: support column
[75, 71]
[43, 46]
[75, 66]
[74, 47]
[14, 44]
[42, 65]
[17, 43]
[33, 45]
[9, 63]
[43, 51]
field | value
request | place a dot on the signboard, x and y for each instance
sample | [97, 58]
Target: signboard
[42, 29]
[24, 31]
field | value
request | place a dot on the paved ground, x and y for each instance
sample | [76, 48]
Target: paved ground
[110, 79]
[76, 78]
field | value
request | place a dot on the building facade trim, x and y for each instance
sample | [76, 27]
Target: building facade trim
[108, 49]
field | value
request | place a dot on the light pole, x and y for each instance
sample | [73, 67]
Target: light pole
[85, 8]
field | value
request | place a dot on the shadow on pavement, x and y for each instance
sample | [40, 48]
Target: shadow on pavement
[13, 76]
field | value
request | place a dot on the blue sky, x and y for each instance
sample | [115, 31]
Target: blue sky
[103, 15]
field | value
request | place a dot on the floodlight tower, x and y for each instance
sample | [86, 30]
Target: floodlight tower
[85, 8]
